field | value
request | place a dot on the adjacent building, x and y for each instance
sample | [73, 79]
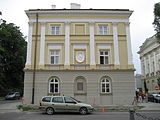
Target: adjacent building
[138, 82]
[150, 64]
[83, 53]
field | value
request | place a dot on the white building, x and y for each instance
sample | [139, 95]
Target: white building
[150, 63]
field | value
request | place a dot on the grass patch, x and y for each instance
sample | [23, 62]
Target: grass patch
[28, 108]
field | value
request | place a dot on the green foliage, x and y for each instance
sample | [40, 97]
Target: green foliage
[156, 22]
[158, 81]
[12, 58]
[27, 108]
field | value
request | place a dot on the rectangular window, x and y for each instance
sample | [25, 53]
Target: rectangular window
[104, 57]
[57, 100]
[55, 30]
[103, 29]
[80, 86]
[55, 57]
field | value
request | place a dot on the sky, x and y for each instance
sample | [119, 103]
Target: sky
[141, 20]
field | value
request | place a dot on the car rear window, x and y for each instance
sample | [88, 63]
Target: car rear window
[46, 99]
[57, 100]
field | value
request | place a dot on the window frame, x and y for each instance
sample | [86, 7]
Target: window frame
[54, 84]
[102, 31]
[55, 56]
[104, 56]
[54, 32]
[105, 83]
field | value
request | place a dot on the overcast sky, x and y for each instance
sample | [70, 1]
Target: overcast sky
[141, 20]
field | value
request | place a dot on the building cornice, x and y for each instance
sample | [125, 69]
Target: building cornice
[149, 45]
[79, 20]
[80, 12]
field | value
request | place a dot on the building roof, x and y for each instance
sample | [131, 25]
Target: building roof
[149, 44]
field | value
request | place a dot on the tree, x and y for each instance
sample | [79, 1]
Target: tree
[156, 22]
[158, 81]
[12, 58]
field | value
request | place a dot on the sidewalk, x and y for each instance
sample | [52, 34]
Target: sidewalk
[150, 106]
[9, 107]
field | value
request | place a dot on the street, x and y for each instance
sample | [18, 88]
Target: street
[8, 111]
[71, 116]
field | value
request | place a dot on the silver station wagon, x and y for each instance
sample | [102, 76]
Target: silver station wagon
[52, 104]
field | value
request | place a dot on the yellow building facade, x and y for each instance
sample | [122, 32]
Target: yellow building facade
[83, 53]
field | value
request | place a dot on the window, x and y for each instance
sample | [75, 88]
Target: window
[105, 86]
[54, 85]
[104, 57]
[69, 100]
[80, 86]
[103, 30]
[55, 30]
[57, 100]
[46, 99]
[54, 57]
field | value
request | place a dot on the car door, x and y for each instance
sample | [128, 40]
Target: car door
[70, 105]
[58, 104]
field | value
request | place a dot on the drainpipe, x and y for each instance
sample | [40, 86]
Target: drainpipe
[35, 58]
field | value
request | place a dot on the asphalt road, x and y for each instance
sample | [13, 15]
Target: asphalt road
[71, 116]
[8, 111]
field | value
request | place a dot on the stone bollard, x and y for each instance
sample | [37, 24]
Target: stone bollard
[131, 112]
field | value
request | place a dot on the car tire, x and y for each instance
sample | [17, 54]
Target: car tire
[83, 111]
[50, 111]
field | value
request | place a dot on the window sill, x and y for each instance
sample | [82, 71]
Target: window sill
[54, 94]
[105, 94]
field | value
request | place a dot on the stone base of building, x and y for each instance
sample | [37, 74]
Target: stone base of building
[122, 90]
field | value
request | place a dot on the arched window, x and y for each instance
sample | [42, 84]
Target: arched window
[54, 85]
[105, 85]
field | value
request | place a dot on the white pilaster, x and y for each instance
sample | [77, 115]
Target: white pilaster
[42, 43]
[29, 44]
[116, 48]
[67, 42]
[92, 44]
[155, 62]
[129, 47]
[150, 67]
[145, 64]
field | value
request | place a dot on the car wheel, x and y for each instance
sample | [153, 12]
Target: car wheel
[50, 111]
[83, 111]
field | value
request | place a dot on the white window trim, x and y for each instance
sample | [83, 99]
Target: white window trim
[55, 56]
[54, 47]
[105, 85]
[106, 47]
[54, 84]
[55, 24]
[105, 56]
[102, 24]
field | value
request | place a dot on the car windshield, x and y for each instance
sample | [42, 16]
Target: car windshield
[76, 100]
[10, 93]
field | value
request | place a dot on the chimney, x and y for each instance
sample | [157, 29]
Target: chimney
[75, 6]
[53, 6]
